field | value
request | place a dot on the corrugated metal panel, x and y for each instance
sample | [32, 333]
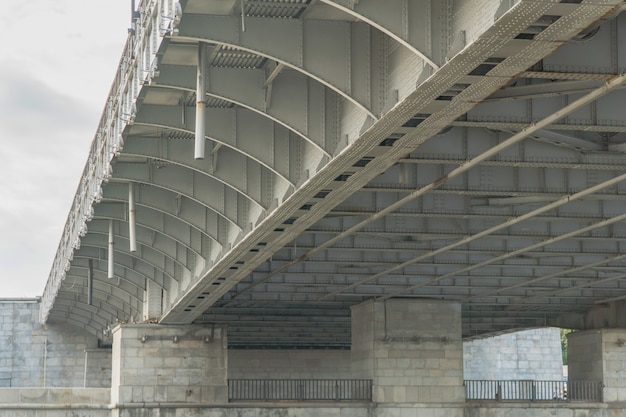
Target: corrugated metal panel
[230, 57]
[286, 9]
[218, 103]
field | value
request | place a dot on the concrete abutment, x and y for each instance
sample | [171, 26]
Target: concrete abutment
[412, 350]
[599, 355]
[177, 365]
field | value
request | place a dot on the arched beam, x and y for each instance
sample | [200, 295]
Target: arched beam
[146, 252]
[165, 244]
[107, 300]
[204, 220]
[100, 316]
[162, 224]
[398, 19]
[298, 103]
[131, 283]
[325, 51]
[248, 133]
[160, 275]
[179, 189]
[171, 225]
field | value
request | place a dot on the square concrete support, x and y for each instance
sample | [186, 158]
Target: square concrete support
[411, 349]
[169, 364]
[598, 355]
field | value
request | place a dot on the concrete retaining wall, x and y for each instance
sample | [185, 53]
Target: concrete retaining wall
[542, 410]
[32, 355]
[530, 354]
[91, 403]
[295, 364]
[54, 402]
[598, 355]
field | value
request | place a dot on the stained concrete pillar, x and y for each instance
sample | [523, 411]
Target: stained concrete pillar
[412, 350]
[600, 356]
[168, 364]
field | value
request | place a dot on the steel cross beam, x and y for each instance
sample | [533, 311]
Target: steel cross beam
[413, 104]
[350, 154]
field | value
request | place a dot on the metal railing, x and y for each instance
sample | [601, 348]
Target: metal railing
[516, 390]
[138, 65]
[299, 390]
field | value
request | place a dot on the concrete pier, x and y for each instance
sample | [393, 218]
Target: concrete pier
[155, 364]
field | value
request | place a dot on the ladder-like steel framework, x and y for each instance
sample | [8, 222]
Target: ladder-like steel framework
[268, 164]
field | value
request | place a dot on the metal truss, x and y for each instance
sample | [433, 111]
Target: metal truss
[269, 164]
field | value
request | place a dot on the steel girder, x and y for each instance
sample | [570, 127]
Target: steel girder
[358, 151]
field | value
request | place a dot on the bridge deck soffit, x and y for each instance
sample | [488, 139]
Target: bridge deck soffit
[353, 152]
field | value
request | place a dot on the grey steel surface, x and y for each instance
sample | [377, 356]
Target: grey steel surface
[470, 151]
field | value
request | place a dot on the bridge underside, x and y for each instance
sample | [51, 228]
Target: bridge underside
[457, 150]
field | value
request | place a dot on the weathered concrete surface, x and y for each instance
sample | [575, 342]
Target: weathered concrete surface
[288, 364]
[90, 402]
[529, 354]
[598, 355]
[411, 349]
[69, 349]
[182, 364]
[544, 410]
[395, 410]
[268, 411]
[54, 402]
[35, 355]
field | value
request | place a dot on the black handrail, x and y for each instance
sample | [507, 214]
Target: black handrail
[530, 390]
[300, 390]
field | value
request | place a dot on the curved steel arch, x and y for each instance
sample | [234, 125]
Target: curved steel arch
[166, 274]
[126, 261]
[359, 11]
[105, 297]
[161, 244]
[120, 215]
[98, 236]
[132, 277]
[137, 147]
[166, 188]
[72, 297]
[161, 120]
[226, 31]
[132, 286]
[183, 82]
[139, 274]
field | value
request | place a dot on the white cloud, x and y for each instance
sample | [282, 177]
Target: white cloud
[57, 65]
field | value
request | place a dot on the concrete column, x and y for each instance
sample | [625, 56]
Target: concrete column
[168, 364]
[411, 349]
[598, 355]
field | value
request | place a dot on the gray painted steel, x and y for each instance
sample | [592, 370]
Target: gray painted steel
[470, 151]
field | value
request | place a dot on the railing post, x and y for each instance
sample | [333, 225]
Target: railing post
[499, 392]
[534, 392]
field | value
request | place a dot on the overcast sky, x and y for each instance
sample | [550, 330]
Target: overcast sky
[57, 62]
